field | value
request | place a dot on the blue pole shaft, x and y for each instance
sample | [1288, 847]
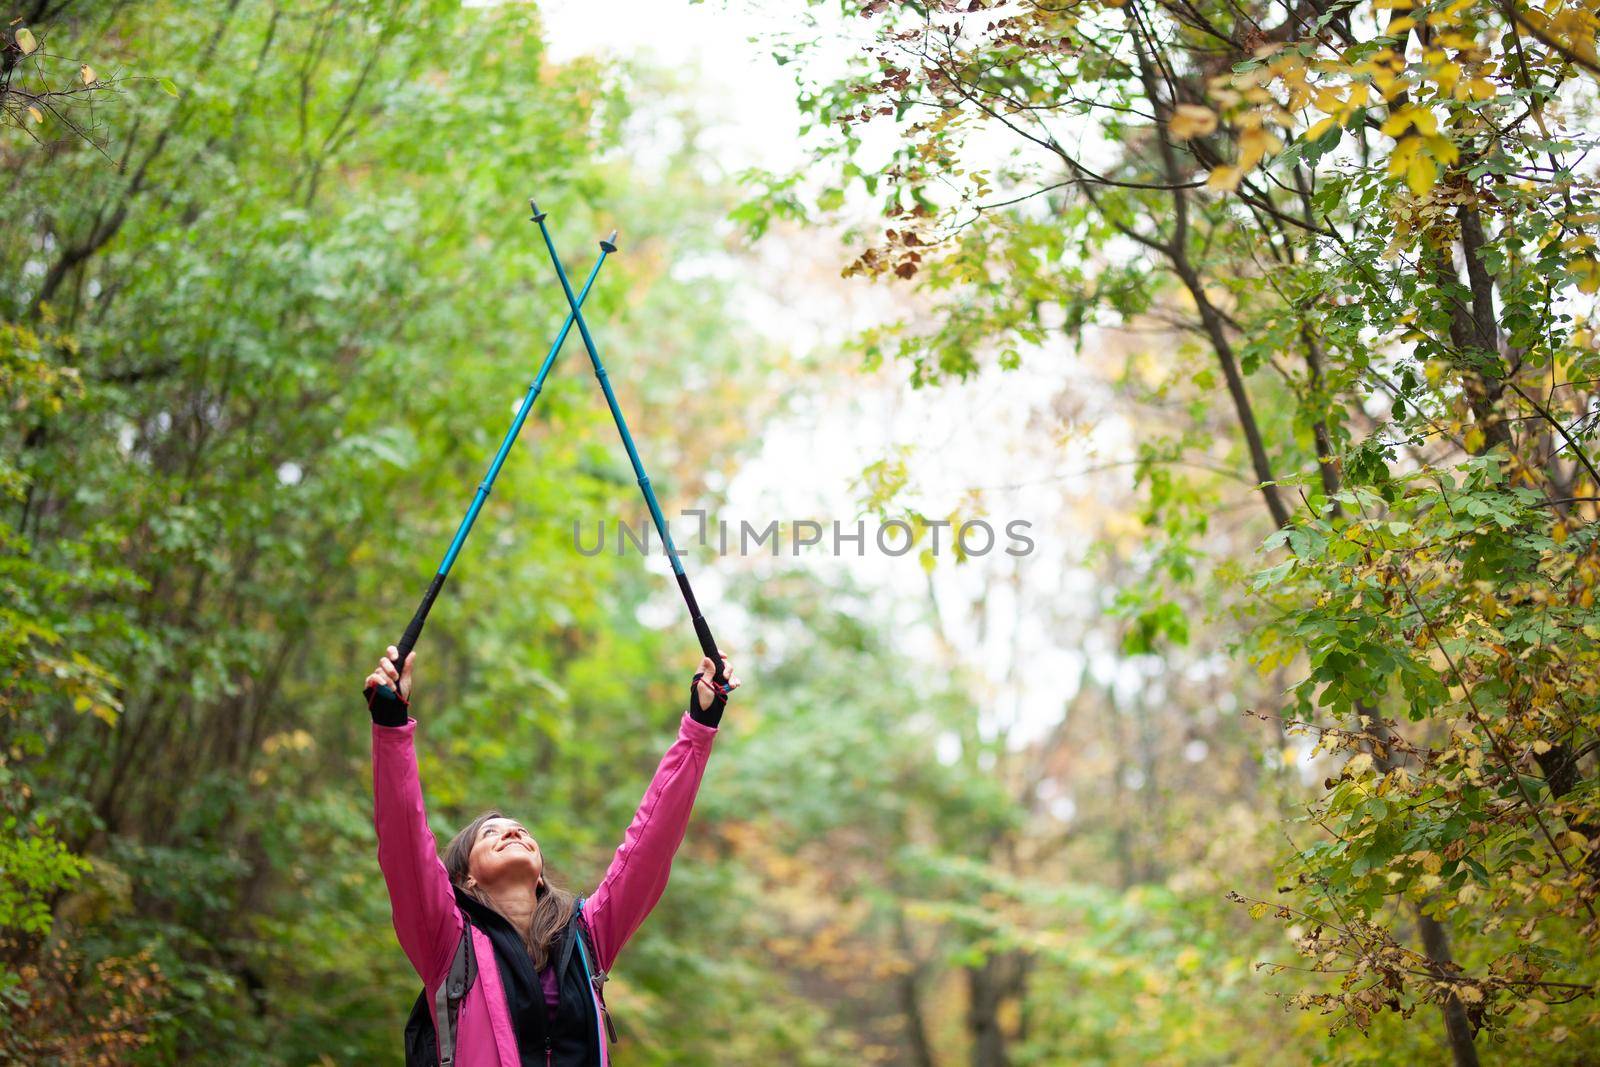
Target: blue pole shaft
[414, 630]
[708, 644]
[611, 401]
[516, 425]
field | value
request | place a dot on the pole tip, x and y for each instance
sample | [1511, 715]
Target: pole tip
[610, 243]
[538, 216]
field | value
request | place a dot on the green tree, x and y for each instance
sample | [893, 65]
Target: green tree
[261, 335]
[1326, 206]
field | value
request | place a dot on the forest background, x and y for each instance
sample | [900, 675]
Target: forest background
[1274, 321]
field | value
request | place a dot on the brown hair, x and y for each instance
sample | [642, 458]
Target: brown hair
[551, 912]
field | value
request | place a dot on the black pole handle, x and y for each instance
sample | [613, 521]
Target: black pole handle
[408, 640]
[708, 647]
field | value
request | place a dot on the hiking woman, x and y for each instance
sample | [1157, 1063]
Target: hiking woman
[540, 1003]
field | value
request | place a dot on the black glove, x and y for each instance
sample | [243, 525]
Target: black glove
[388, 707]
[709, 716]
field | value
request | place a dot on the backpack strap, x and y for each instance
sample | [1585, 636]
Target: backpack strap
[569, 937]
[452, 991]
[597, 979]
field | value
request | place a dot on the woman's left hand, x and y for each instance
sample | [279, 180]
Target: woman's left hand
[702, 683]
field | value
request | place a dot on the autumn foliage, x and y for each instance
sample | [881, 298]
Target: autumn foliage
[1369, 231]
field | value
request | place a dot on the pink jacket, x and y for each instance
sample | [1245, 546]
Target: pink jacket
[429, 923]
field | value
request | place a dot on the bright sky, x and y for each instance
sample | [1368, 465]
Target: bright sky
[711, 41]
[983, 434]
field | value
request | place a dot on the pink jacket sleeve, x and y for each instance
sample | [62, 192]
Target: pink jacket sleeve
[425, 915]
[638, 872]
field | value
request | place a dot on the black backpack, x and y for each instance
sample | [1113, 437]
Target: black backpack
[424, 1047]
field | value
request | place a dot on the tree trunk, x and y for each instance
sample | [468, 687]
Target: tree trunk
[985, 991]
[909, 995]
[1217, 332]
[1473, 332]
[1458, 1028]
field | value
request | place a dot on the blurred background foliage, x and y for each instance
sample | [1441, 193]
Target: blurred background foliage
[266, 302]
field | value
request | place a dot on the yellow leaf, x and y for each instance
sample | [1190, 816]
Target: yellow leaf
[1473, 439]
[1255, 143]
[1550, 894]
[1320, 128]
[1420, 175]
[26, 42]
[35, 114]
[88, 74]
[1225, 178]
[1400, 158]
[1448, 75]
[1431, 862]
[1587, 270]
[1442, 149]
[1470, 993]
[1191, 120]
[1541, 746]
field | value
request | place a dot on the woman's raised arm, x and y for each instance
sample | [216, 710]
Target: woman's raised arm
[638, 872]
[426, 918]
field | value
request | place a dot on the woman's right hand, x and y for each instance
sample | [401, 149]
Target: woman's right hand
[386, 674]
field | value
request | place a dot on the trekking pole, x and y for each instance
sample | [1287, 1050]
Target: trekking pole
[707, 644]
[414, 630]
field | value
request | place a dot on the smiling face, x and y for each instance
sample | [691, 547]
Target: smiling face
[504, 853]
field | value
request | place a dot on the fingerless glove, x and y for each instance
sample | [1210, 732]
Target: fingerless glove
[388, 707]
[708, 716]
